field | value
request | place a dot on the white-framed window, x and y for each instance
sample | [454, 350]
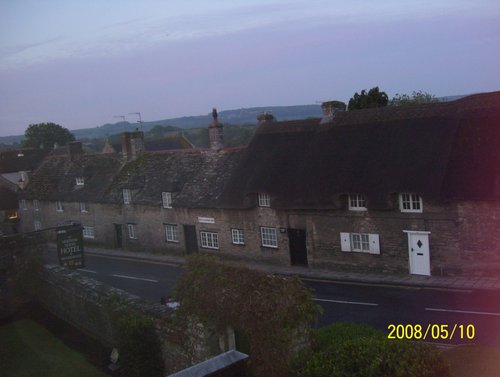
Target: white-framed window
[264, 200]
[88, 232]
[166, 198]
[269, 237]
[171, 233]
[409, 202]
[237, 236]
[132, 231]
[360, 242]
[357, 202]
[59, 206]
[38, 225]
[36, 204]
[84, 207]
[127, 196]
[22, 204]
[209, 240]
[80, 181]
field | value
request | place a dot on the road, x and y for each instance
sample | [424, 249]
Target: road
[473, 317]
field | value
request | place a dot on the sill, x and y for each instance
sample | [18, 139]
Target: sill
[358, 209]
[237, 244]
[172, 241]
[411, 211]
[269, 247]
[210, 248]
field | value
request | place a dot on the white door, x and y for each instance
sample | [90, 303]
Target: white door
[418, 244]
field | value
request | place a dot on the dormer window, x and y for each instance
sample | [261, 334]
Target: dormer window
[127, 196]
[80, 181]
[166, 198]
[409, 202]
[357, 202]
[264, 200]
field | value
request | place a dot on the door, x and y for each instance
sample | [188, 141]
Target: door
[191, 239]
[118, 236]
[418, 244]
[298, 249]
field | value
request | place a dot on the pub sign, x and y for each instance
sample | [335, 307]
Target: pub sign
[70, 246]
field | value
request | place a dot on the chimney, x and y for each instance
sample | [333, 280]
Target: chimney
[265, 117]
[216, 132]
[132, 144]
[330, 108]
[75, 150]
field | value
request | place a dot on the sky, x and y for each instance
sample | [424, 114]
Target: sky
[81, 63]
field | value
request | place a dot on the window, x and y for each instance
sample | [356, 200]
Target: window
[80, 181]
[12, 215]
[22, 204]
[269, 237]
[127, 196]
[83, 207]
[38, 225]
[264, 200]
[209, 240]
[88, 232]
[132, 232]
[237, 236]
[36, 205]
[357, 202]
[171, 233]
[59, 206]
[166, 198]
[360, 242]
[410, 202]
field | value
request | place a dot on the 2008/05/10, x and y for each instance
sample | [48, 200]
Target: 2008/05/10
[431, 331]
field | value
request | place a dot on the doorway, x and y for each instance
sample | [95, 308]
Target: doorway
[298, 248]
[419, 253]
[191, 239]
[118, 236]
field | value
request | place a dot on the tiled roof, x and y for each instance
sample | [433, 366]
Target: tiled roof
[20, 160]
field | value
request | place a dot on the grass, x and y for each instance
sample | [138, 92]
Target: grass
[466, 361]
[27, 349]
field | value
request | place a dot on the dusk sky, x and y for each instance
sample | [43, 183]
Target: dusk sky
[79, 63]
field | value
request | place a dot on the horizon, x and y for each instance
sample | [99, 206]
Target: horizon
[80, 65]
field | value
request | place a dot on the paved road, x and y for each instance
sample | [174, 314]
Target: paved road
[472, 316]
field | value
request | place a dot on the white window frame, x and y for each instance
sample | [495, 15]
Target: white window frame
[36, 205]
[166, 199]
[209, 240]
[127, 196]
[410, 202]
[80, 181]
[171, 233]
[132, 231]
[22, 204]
[83, 207]
[88, 232]
[59, 206]
[264, 200]
[360, 242]
[357, 202]
[269, 237]
[237, 236]
[37, 225]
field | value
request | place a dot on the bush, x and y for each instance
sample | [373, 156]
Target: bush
[349, 350]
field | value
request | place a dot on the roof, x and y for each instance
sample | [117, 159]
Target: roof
[442, 151]
[8, 199]
[16, 160]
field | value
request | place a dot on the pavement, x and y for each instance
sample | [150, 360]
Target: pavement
[443, 282]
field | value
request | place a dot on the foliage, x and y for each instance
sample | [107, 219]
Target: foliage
[364, 100]
[416, 98]
[274, 312]
[159, 131]
[44, 135]
[344, 349]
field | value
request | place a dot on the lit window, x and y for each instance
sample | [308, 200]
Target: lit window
[132, 231]
[166, 198]
[59, 206]
[269, 237]
[80, 181]
[127, 196]
[22, 204]
[12, 215]
[88, 232]
[360, 242]
[38, 225]
[410, 202]
[357, 202]
[209, 240]
[83, 207]
[264, 200]
[36, 205]
[237, 236]
[171, 233]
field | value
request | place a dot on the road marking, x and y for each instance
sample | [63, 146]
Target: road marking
[135, 278]
[133, 259]
[84, 270]
[461, 311]
[346, 302]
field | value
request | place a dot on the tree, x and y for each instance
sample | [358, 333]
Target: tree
[364, 100]
[416, 98]
[44, 135]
